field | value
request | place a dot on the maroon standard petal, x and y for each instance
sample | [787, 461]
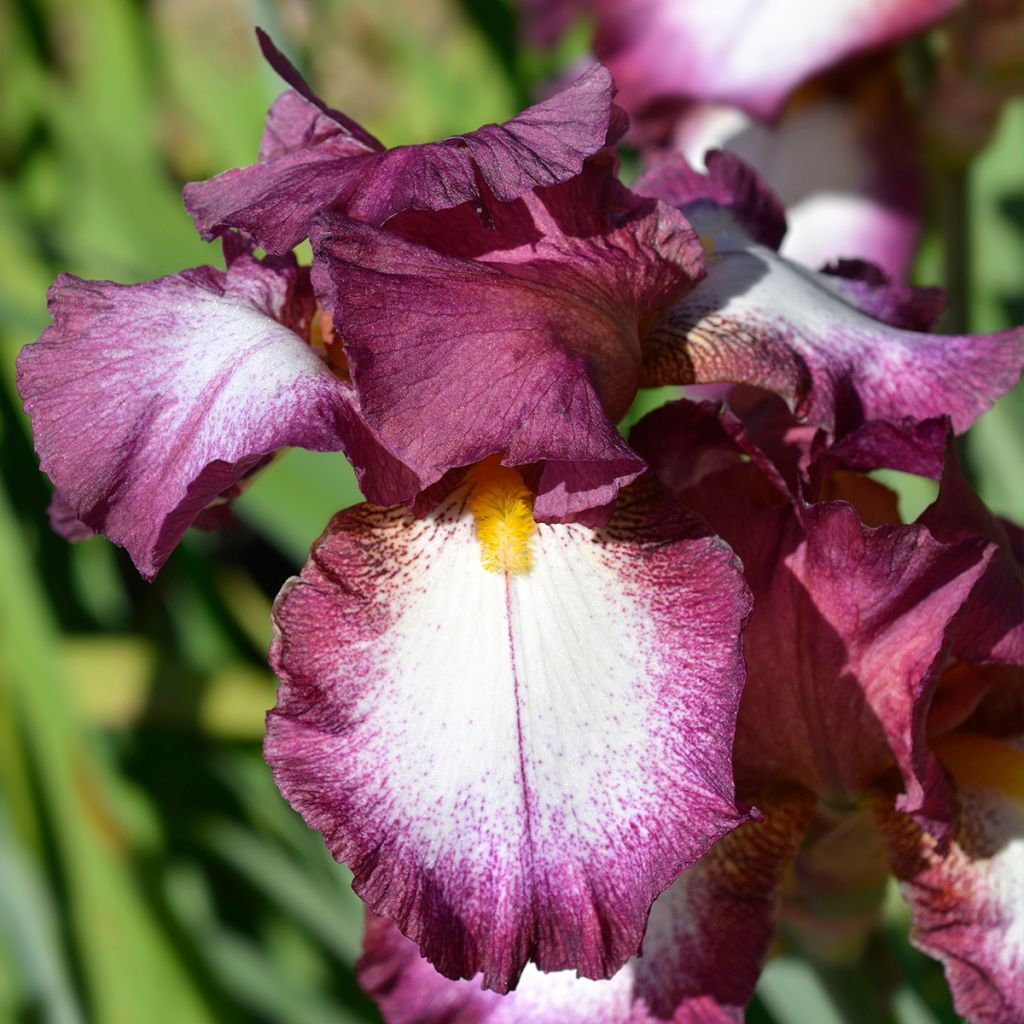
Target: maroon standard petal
[532, 351]
[321, 159]
[514, 763]
[148, 401]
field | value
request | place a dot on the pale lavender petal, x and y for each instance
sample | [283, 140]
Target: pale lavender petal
[321, 159]
[758, 318]
[845, 162]
[734, 52]
[513, 764]
[967, 897]
[149, 401]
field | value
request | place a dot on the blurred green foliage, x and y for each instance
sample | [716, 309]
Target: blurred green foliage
[149, 871]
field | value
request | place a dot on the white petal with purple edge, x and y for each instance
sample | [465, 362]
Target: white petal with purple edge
[514, 765]
[150, 400]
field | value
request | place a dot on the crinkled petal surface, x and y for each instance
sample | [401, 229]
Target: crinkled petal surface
[758, 318]
[521, 353]
[514, 765]
[749, 55]
[851, 624]
[706, 940]
[967, 899]
[318, 160]
[993, 628]
[150, 400]
[851, 629]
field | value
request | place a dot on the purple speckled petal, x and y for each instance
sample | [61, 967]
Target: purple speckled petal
[752, 56]
[758, 318]
[409, 991]
[514, 765]
[532, 352]
[706, 940]
[967, 897]
[321, 159]
[148, 401]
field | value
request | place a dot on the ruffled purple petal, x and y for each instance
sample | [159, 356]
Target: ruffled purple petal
[760, 319]
[409, 991]
[706, 940]
[148, 401]
[321, 159]
[513, 764]
[993, 627]
[532, 351]
[733, 52]
[868, 287]
[729, 183]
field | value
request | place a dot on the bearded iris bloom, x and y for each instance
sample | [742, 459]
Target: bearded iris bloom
[582, 293]
[510, 684]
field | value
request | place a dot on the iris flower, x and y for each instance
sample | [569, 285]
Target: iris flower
[876, 725]
[509, 685]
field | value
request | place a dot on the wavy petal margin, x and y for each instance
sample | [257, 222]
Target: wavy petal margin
[148, 401]
[967, 899]
[325, 160]
[514, 766]
[707, 938]
[760, 319]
